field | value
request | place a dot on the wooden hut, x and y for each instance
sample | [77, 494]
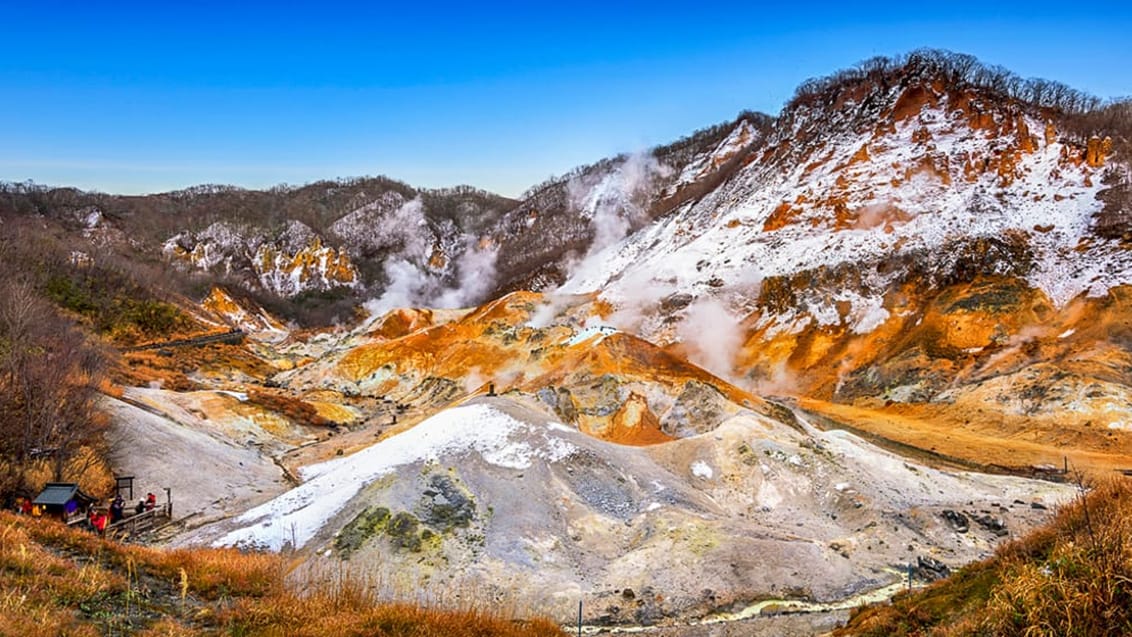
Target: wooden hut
[63, 500]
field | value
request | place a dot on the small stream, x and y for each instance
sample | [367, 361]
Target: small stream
[778, 606]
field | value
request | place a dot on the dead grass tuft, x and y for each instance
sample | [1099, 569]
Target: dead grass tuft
[1071, 577]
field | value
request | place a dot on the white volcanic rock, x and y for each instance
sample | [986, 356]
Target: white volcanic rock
[516, 503]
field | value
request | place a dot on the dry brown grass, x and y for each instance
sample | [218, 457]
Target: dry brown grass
[60, 581]
[1071, 577]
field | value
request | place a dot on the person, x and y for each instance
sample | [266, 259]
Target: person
[98, 521]
[140, 507]
[150, 501]
[26, 506]
[116, 509]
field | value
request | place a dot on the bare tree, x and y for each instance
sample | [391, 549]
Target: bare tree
[49, 380]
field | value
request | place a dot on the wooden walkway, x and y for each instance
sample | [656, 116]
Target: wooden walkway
[140, 522]
[231, 336]
[133, 524]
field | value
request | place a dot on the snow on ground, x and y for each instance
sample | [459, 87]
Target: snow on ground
[296, 516]
[597, 332]
[741, 136]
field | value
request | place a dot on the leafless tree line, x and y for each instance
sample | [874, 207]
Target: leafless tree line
[958, 70]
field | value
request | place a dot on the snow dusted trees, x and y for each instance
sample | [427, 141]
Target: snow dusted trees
[49, 379]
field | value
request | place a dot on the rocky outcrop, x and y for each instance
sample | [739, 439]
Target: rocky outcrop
[1097, 151]
[294, 262]
[312, 267]
[244, 315]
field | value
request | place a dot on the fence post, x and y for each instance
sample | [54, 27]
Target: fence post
[579, 618]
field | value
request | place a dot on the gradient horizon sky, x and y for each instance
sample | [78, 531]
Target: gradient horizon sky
[135, 98]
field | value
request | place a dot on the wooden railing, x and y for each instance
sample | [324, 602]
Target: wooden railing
[140, 522]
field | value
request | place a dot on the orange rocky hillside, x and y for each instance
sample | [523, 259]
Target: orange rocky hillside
[907, 242]
[610, 384]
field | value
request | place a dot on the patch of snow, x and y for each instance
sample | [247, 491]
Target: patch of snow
[1067, 333]
[869, 315]
[238, 395]
[296, 516]
[701, 469]
[598, 332]
[653, 506]
[93, 219]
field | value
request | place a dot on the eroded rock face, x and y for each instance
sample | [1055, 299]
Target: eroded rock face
[295, 262]
[313, 267]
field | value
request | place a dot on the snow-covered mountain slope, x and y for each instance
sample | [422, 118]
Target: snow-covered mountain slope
[561, 221]
[914, 184]
[849, 218]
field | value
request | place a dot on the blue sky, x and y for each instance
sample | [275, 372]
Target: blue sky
[145, 97]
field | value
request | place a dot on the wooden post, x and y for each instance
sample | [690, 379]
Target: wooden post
[169, 502]
[579, 618]
[124, 482]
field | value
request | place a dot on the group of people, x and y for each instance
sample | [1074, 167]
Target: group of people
[97, 517]
[117, 511]
[24, 506]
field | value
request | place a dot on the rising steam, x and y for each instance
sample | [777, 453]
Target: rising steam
[712, 336]
[412, 281]
[615, 202]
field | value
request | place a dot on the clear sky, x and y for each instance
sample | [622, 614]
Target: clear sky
[144, 97]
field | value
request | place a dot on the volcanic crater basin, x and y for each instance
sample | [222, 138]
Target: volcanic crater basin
[497, 500]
